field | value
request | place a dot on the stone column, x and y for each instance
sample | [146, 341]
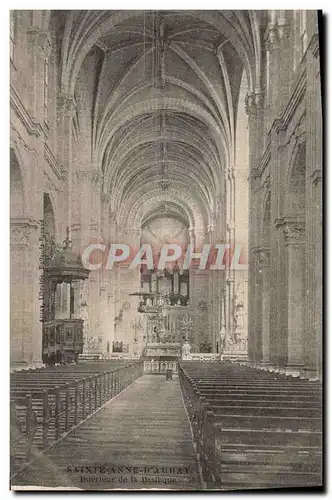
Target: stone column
[294, 232]
[278, 299]
[254, 110]
[313, 298]
[39, 45]
[26, 326]
[266, 288]
[65, 113]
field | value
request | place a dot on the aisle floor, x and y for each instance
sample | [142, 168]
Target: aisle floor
[140, 439]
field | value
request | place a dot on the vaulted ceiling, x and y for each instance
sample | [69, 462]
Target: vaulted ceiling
[157, 96]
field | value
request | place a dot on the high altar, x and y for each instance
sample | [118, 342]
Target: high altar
[164, 299]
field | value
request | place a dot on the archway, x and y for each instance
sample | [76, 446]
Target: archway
[19, 234]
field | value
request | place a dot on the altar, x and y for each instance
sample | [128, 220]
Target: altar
[159, 357]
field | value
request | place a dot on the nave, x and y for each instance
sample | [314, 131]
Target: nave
[197, 136]
[217, 425]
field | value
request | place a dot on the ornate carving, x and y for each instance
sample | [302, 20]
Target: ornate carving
[250, 104]
[316, 176]
[239, 344]
[272, 37]
[203, 305]
[283, 29]
[93, 176]
[19, 235]
[264, 257]
[293, 229]
[254, 101]
[259, 99]
[67, 105]
[294, 233]
[20, 231]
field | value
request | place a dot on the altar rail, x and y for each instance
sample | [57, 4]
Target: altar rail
[47, 403]
[160, 366]
[253, 429]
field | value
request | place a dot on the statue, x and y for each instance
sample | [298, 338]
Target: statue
[222, 339]
[186, 350]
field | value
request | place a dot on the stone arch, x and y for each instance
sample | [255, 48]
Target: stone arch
[20, 245]
[18, 199]
[17, 207]
[295, 197]
[133, 216]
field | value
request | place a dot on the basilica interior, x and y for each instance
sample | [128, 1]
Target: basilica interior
[188, 128]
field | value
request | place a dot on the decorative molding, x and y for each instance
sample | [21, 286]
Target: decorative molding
[57, 169]
[314, 45]
[264, 257]
[297, 96]
[93, 176]
[265, 158]
[32, 127]
[316, 176]
[16, 137]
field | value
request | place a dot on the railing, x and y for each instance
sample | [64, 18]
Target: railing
[42, 412]
[160, 366]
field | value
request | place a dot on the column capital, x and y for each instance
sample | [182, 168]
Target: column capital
[38, 39]
[293, 229]
[20, 231]
[272, 37]
[67, 104]
[264, 257]
[283, 29]
[92, 176]
[250, 104]
[254, 101]
[294, 233]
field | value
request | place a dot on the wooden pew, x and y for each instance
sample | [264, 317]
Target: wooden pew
[272, 432]
[59, 398]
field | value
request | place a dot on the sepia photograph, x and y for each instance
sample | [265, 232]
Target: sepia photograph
[166, 250]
